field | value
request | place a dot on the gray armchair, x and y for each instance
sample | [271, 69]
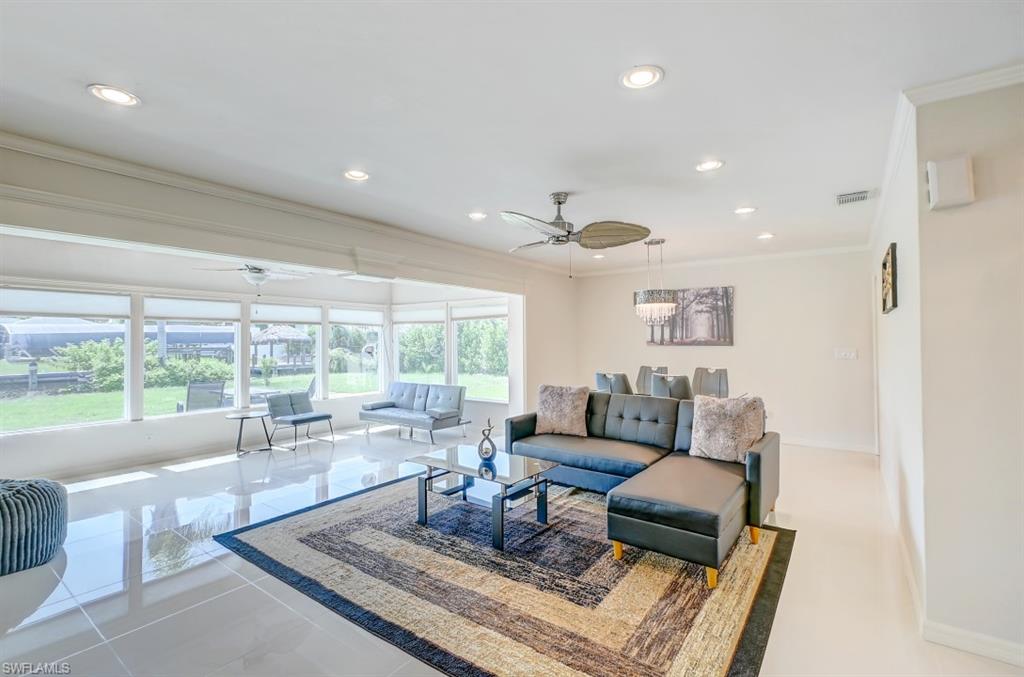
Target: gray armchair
[296, 409]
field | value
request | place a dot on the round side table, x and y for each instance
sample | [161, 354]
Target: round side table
[242, 417]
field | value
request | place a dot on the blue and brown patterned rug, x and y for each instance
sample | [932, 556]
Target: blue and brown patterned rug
[554, 602]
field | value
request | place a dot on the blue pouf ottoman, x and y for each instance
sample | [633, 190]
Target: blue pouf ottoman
[33, 523]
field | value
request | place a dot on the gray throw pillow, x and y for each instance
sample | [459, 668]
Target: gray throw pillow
[724, 429]
[562, 410]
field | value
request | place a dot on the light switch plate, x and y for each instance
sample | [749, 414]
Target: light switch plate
[846, 354]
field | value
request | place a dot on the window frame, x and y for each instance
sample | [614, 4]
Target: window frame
[455, 345]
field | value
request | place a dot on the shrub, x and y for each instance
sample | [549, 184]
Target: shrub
[104, 360]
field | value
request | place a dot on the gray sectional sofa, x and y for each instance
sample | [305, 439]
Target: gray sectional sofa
[418, 406]
[659, 497]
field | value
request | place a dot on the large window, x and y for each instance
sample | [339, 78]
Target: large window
[285, 347]
[419, 338]
[190, 363]
[354, 348]
[63, 358]
[482, 349]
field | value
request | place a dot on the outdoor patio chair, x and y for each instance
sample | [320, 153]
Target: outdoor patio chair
[296, 409]
[202, 395]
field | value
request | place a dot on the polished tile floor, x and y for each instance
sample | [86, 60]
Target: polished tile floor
[141, 588]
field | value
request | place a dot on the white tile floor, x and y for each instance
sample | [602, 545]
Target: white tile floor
[141, 588]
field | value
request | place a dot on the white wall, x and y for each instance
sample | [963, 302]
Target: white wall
[898, 346]
[972, 325]
[791, 314]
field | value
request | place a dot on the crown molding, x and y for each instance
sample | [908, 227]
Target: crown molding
[51, 151]
[832, 251]
[971, 84]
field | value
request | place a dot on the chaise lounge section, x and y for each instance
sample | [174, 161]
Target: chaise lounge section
[659, 497]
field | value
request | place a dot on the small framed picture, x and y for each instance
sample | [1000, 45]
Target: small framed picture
[889, 299]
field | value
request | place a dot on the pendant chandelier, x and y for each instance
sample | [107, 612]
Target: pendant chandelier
[655, 306]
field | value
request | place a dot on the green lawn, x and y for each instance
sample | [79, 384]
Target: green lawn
[14, 368]
[41, 411]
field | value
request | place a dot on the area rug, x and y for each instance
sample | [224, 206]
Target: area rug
[555, 602]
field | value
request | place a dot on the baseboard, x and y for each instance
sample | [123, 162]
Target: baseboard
[974, 642]
[916, 598]
[801, 442]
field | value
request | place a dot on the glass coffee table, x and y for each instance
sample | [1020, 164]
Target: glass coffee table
[517, 476]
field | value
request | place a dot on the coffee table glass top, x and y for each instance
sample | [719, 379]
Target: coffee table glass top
[503, 468]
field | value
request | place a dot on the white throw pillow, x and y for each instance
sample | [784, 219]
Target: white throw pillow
[562, 410]
[724, 429]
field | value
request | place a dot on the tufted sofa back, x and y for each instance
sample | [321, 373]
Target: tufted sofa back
[423, 396]
[633, 418]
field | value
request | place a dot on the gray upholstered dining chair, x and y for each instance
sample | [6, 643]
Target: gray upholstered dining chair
[711, 382]
[613, 382]
[643, 378]
[677, 387]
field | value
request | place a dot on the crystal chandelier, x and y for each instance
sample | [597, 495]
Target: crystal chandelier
[655, 306]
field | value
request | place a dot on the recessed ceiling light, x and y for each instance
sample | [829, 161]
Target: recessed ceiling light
[639, 77]
[114, 95]
[709, 165]
[477, 216]
[745, 210]
[356, 175]
[598, 256]
[765, 236]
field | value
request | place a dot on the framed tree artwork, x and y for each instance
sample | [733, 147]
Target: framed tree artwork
[889, 299]
[703, 317]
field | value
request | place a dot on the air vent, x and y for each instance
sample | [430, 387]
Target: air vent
[848, 198]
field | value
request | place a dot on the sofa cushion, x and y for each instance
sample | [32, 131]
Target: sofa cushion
[693, 494]
[562, 410]
[643, 419]
[724, 429]
[379, 404]
[446, 397]
[684, 425]
[403, 394]
[612, 457]
[442, 413]
[597, 413]
[302, 419]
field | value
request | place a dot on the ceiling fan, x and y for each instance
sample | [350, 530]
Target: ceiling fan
[597, 235]
[257, 275]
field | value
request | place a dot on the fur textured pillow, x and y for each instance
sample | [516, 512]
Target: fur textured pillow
[724, 429]
[562, 410]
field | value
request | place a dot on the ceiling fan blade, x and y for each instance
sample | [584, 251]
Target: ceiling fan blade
[605, 234]
[221, 270]
[517, 219]
[530, 245]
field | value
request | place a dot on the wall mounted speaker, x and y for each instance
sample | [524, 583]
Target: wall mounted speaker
[950, 182]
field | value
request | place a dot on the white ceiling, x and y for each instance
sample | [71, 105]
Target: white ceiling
[454, 107]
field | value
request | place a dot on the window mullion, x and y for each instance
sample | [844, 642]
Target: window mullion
[135, 358]
[243, 372]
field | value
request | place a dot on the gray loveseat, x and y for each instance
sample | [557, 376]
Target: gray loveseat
[421, 406]
[659, 497]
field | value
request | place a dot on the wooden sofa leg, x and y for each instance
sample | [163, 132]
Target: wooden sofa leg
[617, 549]
[712, 575]
[755, 535]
